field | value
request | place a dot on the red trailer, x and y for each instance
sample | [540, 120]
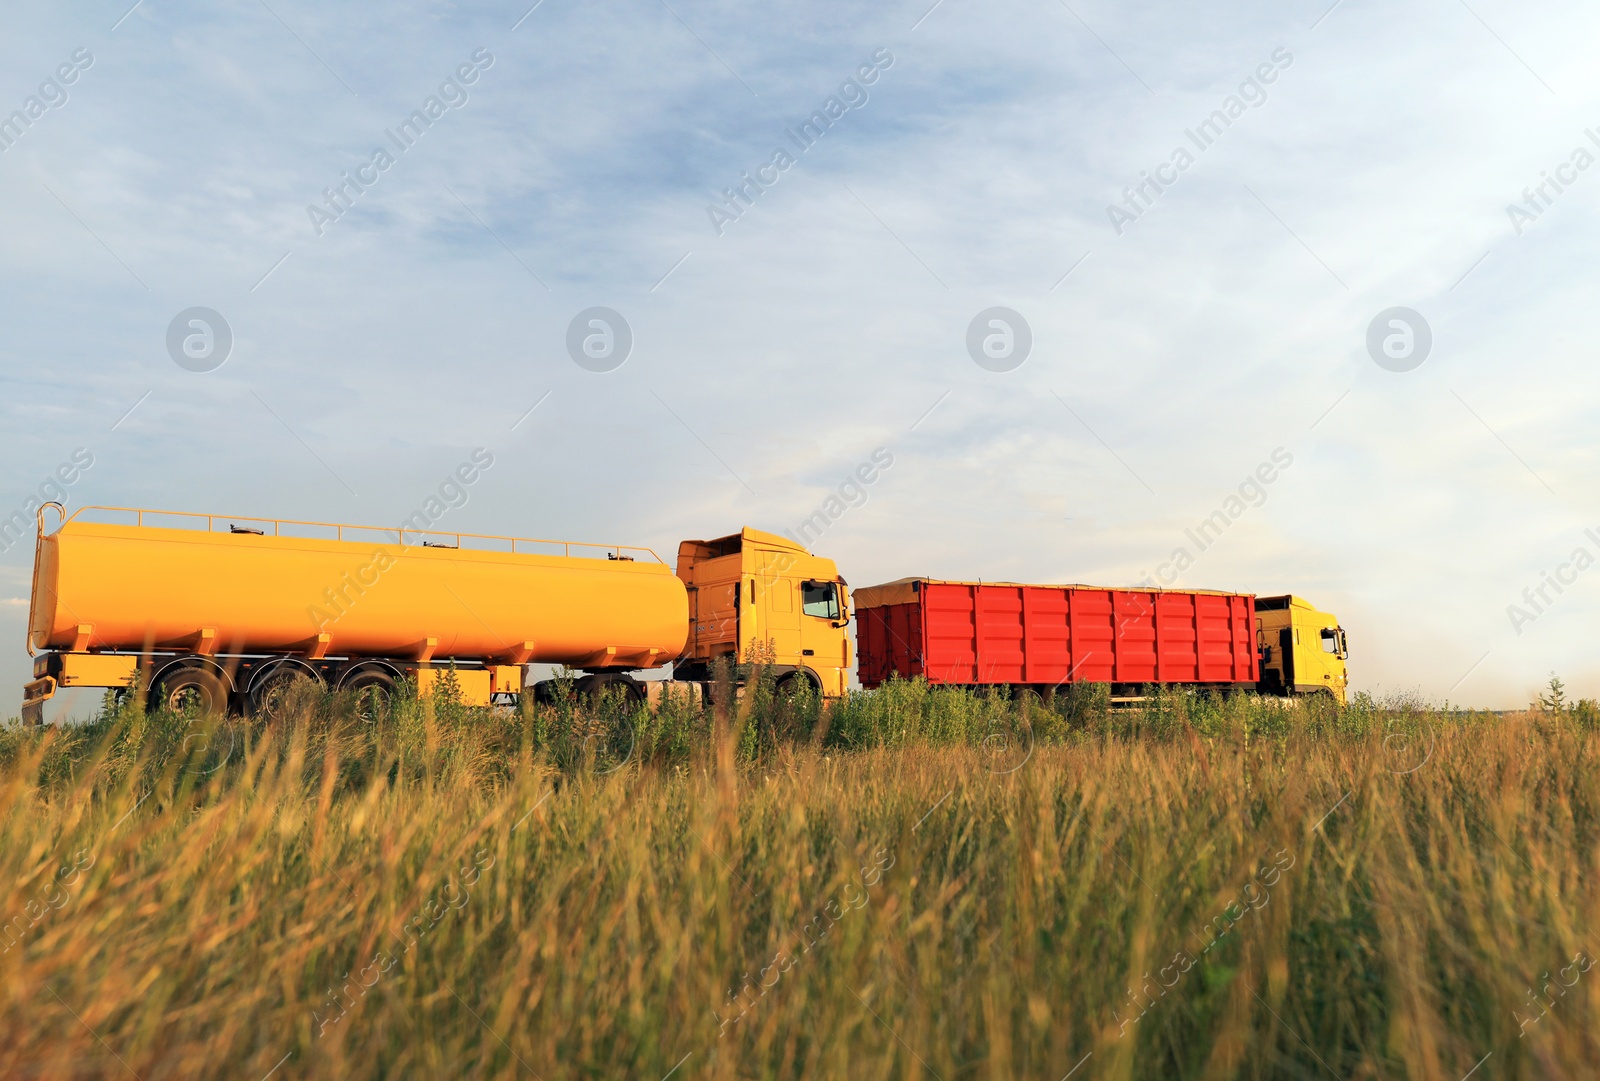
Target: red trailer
[984, 633]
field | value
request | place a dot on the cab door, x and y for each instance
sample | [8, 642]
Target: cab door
[1318, 654]
[1330, 659]
[778, 601]
[824, 637]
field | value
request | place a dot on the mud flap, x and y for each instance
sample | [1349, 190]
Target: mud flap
[34, 696]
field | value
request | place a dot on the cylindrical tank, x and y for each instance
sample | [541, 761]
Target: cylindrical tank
[142, 587]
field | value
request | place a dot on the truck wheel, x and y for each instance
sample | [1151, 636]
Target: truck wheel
[190, 689]
[373, 691]
[594, 687]
[791, 685]
[783, 722]
[274, 693]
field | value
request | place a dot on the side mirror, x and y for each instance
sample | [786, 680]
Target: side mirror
[1334, 642]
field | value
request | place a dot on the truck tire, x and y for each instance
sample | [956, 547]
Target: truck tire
[783, 723]
[633, 692]
[373, 692]
[790, 684]
[190, 688]
[594, 687]
[275, 689]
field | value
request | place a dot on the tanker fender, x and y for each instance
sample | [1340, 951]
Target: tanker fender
[271, 668]
[370, 664]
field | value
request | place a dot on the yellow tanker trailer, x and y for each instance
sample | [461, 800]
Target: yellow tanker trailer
[225, 614]
[228, 612]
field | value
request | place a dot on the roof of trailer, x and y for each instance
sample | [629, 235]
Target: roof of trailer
[905, 590]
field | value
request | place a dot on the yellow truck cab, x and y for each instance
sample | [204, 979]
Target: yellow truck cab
[1303, 650]
[759, 596]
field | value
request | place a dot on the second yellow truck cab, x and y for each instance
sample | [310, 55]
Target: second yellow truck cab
[755, 595]
[1303, 650]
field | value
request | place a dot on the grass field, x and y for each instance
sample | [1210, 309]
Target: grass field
[915, 883]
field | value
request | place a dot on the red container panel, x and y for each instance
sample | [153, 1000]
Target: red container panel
[971, 634]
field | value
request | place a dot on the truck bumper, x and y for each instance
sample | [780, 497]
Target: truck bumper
[57, 671]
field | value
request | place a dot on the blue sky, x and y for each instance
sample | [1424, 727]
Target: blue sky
[1228, 321]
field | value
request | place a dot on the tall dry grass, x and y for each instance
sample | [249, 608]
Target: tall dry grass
[913, 884]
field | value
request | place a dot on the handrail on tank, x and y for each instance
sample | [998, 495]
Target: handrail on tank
[61, 515]
[339, 528]
[38, 546]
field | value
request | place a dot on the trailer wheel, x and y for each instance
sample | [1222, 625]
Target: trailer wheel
[273, 692]
[594, 687]
[190, 689]
[373, 692]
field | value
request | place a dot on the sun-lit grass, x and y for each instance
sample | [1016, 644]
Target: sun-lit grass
[914, 883]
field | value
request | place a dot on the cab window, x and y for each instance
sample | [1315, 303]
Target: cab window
[1333, 641]
[820, 599]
